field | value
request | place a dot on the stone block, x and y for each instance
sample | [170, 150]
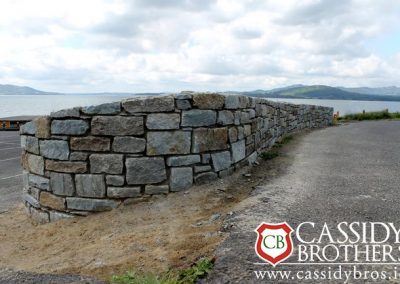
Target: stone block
[117, 125]
[149, 104]
[90, 186]
[123, 192]
[30, 144]
[88, 204]
[38, 182]
[233, 134]
[209, 139]
[163, 121]
[225, 117]
[238, 151]
[90, 143]
[107, 108]
[205, 158]
[181, 179]
[64, 113]
[175, 161]
[156, 189]
[39, 216]
[33, 163]
[198, 117]
[129, 145]
[42, 127]
[51, 201]
[115, 180]
[62, 184]
[31, 200]
[28, 128]
[56, 216]
[54, 149]
[168, 142]
[208, 101]
[202, 169]
[232, 102]
[145, 170]
[78, 156]
[205, 178]
[69, 127]
[221, 160]
[183, 104]
[106, 163]
[226, 172]
[66, 166]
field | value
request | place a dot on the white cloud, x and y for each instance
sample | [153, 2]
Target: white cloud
[156, 45]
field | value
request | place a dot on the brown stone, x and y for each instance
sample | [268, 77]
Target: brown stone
[42, 127]
[66, 166]
[90, 143]
[33, 163]
[51, 201]
[208, 101]
[209, 139]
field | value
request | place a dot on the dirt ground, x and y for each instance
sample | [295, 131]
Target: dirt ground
[162, 233]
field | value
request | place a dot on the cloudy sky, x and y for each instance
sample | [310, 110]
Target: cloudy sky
[171, 45]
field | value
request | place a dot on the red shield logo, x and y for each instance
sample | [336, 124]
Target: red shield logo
[274, 242]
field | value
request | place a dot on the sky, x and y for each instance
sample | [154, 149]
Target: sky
[203, 45]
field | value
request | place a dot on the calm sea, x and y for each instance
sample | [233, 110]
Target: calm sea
[42, 105]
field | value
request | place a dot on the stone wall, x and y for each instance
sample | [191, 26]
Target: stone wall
[82, 160]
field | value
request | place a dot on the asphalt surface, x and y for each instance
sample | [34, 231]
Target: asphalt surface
[10, 169]
[347, 173]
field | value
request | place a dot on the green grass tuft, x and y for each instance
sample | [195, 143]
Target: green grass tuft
[269, 155]
[374, 115]
[185, 276]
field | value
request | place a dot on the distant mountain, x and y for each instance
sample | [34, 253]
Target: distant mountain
[318, 92]
[10, 90]
[383, 91]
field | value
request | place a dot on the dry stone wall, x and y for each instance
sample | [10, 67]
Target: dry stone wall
[88, 159]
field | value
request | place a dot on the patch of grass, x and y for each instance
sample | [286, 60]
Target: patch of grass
[374, 115]
[184, 276]
[269, 155]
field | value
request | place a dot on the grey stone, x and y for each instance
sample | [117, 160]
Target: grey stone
[238, 151]
[123, 192]
[183, 160]
[62, 184]
[181, 179]
[28, 128]
[225, 117]
[209, 139]
[57, 216]
[35, 192]
[247, 130]
[205, 158]
[39, 216]
[30, 144]
[33, 163]
[198, 117]
[226, 172]
[233, 134]
[31, 200]
[183, 104]
[149, 104]
[163, 121]
[129, 144]
[240, 132]
[106, 163]
[91, 143]
[38, 182]
[205, 177]
[107, 108]
[145, 170]
[221, 161]
[202, 169]
[54, 149]
[232, 102]
[72, 112]
[168, 142]
[25, 180]
[90, 186]
[185, 95]
[252, 158]
[78, 156]
[244, 117]
[208, 100]
[66, 166]
[69, 127]
[156, 189]
[117, 125]
[115, 180]
[88, 204]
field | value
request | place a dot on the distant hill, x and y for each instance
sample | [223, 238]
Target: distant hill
[383, 91]
[319, 92]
